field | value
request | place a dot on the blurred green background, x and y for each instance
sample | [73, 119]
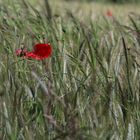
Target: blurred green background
[114, 1]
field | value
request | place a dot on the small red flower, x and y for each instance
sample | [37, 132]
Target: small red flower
[109, 13]
[21, 52]
[40, 52]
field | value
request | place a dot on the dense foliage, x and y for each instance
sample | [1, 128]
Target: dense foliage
[113, 1]
[89, 89]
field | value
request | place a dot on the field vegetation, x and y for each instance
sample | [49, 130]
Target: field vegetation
[89, 89]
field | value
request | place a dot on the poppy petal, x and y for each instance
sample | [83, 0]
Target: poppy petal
[43, 50]
[34, 56]
[21, 52]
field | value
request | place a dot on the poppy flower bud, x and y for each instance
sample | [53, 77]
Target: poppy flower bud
[109, 13]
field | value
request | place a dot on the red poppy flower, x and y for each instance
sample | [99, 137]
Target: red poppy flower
[21, 52]
[109, 13]
[40, 52]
